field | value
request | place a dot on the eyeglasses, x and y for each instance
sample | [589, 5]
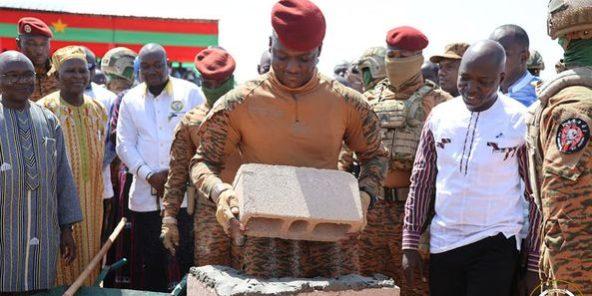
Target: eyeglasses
[12, 78]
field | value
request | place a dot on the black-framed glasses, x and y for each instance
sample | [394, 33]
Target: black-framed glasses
[12, 78]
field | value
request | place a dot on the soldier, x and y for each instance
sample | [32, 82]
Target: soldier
[448, 64]
[535, 63]
[281, 118]
[371, 66]
[212, 245]
[33, 41]
[560, 153]
[402, 101]
[118, 66]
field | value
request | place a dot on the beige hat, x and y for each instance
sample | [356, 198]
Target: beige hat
[453, 51]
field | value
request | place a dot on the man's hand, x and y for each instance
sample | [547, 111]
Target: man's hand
[366, 199]
[412, 261]
[157, 181]
[170, 236]
[227, 215]
[67, 245]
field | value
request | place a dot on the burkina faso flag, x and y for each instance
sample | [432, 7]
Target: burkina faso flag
[182, 38]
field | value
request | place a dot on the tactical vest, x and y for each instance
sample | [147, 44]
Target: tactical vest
[401, 122]
[574, 77]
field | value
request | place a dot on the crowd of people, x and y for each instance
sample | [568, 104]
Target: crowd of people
[474, 174]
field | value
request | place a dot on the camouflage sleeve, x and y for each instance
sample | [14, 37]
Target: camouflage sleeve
[219, 140]
[434, 98]
[363, 137]
[182, 150]
[346, 159]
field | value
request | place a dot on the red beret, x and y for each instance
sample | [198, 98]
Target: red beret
[33, 26]
[299, 24]
[215, 64]
[407, 38]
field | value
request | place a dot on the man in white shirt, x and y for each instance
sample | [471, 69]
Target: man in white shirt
[148, 116]
[469, 165]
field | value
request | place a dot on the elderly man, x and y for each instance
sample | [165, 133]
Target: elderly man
[402, 101]
[302, 136]
[212, 245]
[561, 154]
[448, 64]
[36, 185]
[83, 121]
[518, 83]
[33, 40]
[148, 116]
[468, 169]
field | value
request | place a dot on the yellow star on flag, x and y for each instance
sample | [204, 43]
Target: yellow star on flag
[59, 27]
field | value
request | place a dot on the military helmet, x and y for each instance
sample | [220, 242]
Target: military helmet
[119, 62]
[569, 17]
[373, 59]
[535, 61]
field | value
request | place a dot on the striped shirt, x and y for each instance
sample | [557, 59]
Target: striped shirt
[467, 173]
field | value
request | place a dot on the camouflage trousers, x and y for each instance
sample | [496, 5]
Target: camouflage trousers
[566, 255]
[212, 245]
[273, 257]
[380, 246]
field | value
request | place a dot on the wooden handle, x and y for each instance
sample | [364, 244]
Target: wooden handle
[96, 260]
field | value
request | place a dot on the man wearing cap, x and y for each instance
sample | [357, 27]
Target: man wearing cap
[212, 245]
[38, 200]
[288, 107]
[448, 64]
[402, 101]
[33, 40]
[148, 116]
[519, 84]
[560, 153]
[535, 63]
[83, 121]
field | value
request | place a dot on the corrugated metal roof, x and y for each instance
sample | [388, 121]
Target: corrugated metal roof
[177, 9]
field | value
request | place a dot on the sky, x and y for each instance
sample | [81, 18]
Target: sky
[352, 25]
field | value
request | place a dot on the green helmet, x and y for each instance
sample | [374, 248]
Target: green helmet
[569, 17]
[535, 61]
[373, 59]
[119, 62]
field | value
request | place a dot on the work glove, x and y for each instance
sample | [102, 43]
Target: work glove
[170, 234]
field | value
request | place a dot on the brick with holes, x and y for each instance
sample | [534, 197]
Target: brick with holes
[298, 203]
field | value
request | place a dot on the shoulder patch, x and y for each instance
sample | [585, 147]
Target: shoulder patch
[572, 136]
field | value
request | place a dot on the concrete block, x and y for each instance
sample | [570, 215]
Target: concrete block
[212, 280]
[298, 203]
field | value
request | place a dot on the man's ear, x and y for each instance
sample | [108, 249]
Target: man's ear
[524, 56]
[502, 76]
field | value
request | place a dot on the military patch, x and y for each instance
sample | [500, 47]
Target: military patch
[177, 106]
[572, 135]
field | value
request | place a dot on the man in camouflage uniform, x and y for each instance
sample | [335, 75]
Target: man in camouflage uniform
[448, 63]
[281, 118]
[535, 63]
[402, 102]
[33, 40]
[212, 245]
[560, 153]
[118, 66]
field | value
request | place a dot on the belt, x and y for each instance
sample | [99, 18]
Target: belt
[396, 194]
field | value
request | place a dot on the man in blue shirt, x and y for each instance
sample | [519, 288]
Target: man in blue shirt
[518, 84]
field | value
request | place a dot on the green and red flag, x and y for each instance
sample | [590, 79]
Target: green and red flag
[182, 38]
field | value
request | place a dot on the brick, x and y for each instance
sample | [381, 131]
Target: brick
[298, 203]
[211, 280]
